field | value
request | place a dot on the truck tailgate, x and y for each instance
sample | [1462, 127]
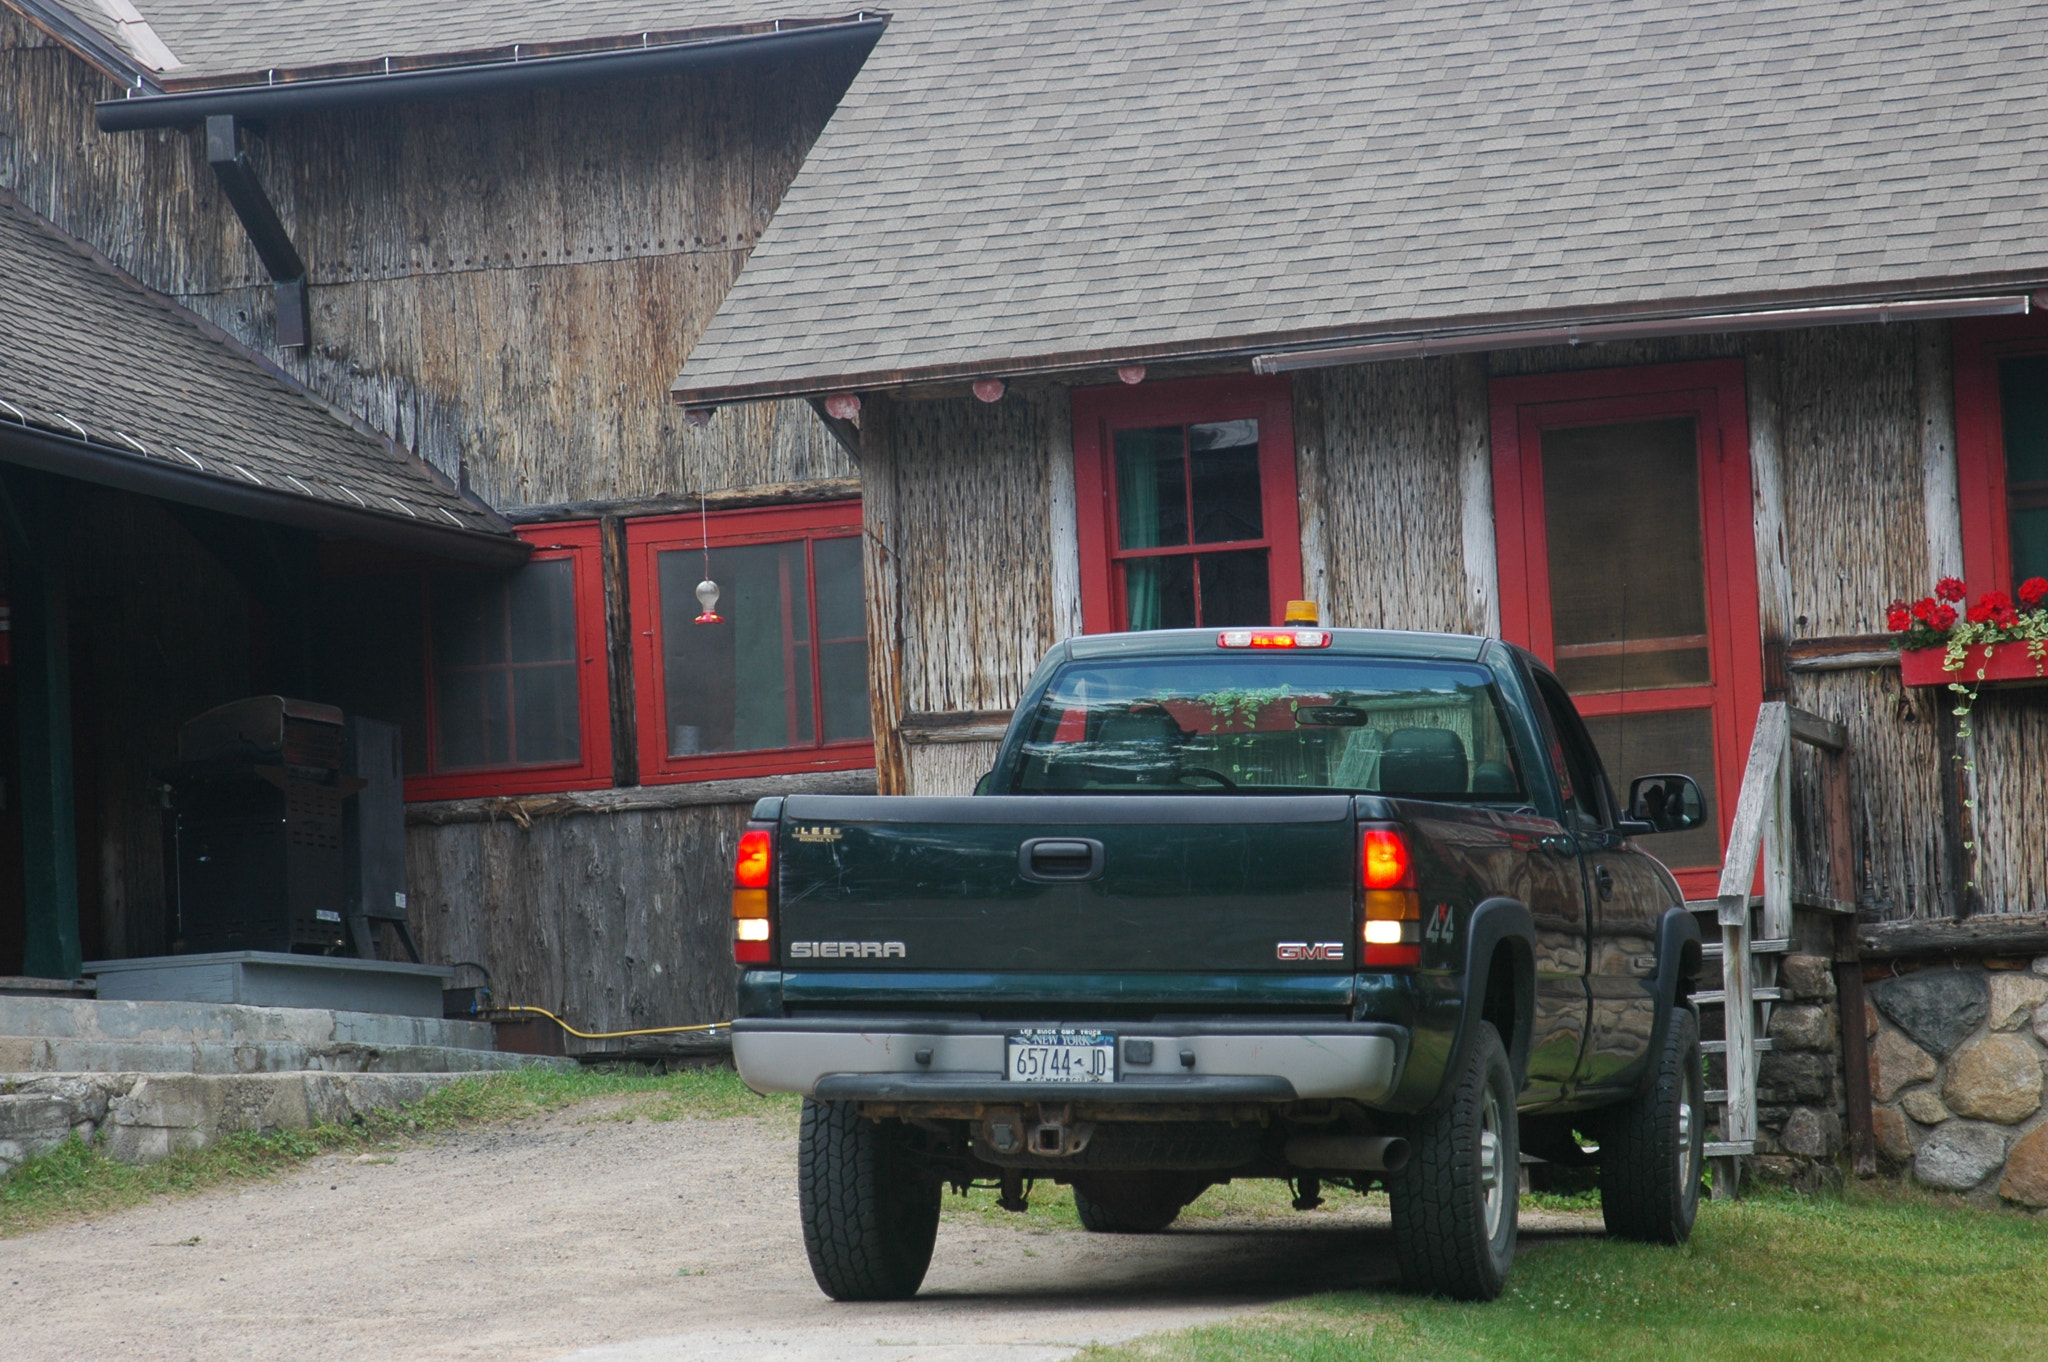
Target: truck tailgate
[1209, 883]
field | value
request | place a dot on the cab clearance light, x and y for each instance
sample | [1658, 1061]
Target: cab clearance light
[753, 865]
[1273, 638]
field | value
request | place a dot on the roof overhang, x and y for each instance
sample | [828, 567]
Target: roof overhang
[854, 34]
[1970, 296]
[46, 451]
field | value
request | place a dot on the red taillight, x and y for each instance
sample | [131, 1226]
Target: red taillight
[1273, 638]
[1389, 903]
[750, 867]
[1383, 860]
[752, 938]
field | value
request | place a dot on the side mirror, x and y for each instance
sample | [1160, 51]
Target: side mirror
[1665, 803]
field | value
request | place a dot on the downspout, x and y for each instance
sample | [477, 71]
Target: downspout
[259, 218]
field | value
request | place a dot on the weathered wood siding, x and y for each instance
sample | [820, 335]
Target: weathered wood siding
[506, 286]
[948, 768]
[611, 921]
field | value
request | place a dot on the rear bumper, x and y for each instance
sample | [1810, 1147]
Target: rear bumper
[877, 1059]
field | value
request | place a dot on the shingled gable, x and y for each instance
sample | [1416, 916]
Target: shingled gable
[1057, 184]
[103, 380]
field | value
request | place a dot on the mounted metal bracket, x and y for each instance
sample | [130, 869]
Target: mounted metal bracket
[273, 244]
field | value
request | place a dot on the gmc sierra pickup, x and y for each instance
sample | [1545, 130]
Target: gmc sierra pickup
[1330, 906]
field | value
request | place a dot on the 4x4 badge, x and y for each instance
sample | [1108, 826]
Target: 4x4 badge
[1441, 927]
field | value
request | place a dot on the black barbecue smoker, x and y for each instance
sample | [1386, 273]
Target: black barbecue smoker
[287, 828]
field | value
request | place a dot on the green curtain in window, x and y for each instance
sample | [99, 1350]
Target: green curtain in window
[1137, 500]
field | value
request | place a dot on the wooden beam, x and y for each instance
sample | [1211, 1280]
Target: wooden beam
[1934, 385]
[1815, 731]
[1753, 807]
[962, 725]
[1475, 494]
[846, 432]
[882, 569]
[1311, 461]
[33, 513]
[1767, 496]
[731, 499]
[1989, 934]
[1063, 522]
[1842, 652]
[618, 642]
[524, 809]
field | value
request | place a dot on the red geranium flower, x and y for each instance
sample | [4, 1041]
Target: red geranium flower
[1924, 608]
[2033, 591]
[1950, 589]
[1992, 608]
[1898, 617]
[1943, 618]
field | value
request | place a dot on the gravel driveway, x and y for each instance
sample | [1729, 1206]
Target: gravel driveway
[611, 1241]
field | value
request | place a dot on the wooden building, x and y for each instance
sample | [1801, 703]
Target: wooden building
[483, 239]
[1673, 345]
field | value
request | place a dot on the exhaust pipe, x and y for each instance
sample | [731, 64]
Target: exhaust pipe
[1349, 1153]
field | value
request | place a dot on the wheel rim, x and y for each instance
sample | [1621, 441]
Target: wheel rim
[1688, 1113]
[1493, 1173]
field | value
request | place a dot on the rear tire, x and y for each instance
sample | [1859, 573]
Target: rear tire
[1133, 1203]
[1455, 1202]
[870, 1209]
[1651, 1146]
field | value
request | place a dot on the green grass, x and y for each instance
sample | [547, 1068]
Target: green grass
[76, 1181]
[1864, 1275]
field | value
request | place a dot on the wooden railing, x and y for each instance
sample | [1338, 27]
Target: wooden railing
[1756, 931]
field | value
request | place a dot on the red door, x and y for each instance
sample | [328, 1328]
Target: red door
[1627, 562]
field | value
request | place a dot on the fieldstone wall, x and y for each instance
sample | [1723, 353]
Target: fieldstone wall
[1958, 1054]
[1801, 1100]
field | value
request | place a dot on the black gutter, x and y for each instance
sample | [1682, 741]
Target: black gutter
[857, 35]
[70, 457]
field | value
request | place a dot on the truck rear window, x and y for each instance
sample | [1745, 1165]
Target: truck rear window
[1426, 730]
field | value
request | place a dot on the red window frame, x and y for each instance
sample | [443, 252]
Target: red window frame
[1098, 412]
[647, 538]
[579, 542]
[1980, 442]
[1712, 393]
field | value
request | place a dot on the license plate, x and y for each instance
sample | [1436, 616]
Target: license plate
[1061, 1056]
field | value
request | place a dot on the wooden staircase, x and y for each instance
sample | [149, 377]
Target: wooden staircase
[1756, 930]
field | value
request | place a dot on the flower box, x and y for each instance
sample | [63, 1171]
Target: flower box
[2007, 662]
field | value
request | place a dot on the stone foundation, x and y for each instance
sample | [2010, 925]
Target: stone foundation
[1958, 1054]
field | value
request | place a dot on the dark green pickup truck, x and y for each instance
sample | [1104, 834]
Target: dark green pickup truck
[1330, 906]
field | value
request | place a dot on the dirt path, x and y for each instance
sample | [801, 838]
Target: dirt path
[612, 1242]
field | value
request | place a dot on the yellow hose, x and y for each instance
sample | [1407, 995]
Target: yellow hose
[611, 1035]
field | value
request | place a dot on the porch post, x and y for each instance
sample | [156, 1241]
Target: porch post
[32, 517]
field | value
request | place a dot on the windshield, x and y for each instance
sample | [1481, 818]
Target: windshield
[1429, 730]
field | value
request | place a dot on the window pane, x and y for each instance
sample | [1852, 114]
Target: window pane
[474, 726]
[743, 684]
[1151, 488]
[2023, 411]
[1159, 593]
[1628, 597]
[1234, 589]
[1679, 742]
[469, 621]
[842, 638]
[544, 713]
[542, 608]
[505, 682]
[1224, 466]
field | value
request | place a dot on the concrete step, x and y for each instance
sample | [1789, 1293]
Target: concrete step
[87, 1019]
[143, 1117]
[58, 1054]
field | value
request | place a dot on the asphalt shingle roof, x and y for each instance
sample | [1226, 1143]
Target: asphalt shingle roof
[216, 38]
[88, 353]
[1006, 183]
